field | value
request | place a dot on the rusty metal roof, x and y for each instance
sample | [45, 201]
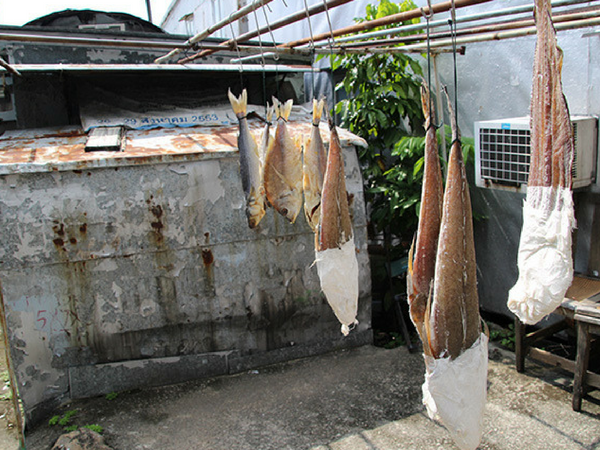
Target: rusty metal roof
[62, 149]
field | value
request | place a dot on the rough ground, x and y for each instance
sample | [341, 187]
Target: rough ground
[364, 398]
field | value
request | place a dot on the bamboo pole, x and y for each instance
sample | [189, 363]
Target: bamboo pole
[288, 20]
[388, 20]
[210, 30]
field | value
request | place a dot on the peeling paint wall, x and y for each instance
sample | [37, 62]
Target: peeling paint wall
[132, 275]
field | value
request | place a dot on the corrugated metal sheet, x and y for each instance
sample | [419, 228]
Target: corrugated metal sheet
[48, 150]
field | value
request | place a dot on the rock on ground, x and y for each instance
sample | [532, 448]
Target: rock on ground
[81, 439]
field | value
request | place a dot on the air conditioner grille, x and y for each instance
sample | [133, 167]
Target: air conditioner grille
[504, 155]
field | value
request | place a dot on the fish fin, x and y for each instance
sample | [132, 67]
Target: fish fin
[286, 109]
[409, 273]
[427, 325]
[270, 112]
[453, 122]
[276, 108]
[299, 142]
[317, 111]
[425, 99]
[411, 255]
[238, 104]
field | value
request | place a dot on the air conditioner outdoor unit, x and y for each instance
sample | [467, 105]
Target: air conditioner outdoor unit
[502, 153]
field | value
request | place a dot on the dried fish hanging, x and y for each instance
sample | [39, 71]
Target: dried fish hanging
[283, 159]
[251, 167]
[455, 348]
[421, 259]
[335, 252]
[315, 156]
[544, 259]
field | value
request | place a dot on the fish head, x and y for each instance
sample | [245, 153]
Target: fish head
[254, 213]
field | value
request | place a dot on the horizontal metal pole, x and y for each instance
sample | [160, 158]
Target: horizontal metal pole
[89, 41]
[27, 68]
[501, 25]
[292, 18]
[210, 30]
[387, 20]
[444, 22]
[570, 25]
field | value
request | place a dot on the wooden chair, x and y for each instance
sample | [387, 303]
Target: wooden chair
[581, 309]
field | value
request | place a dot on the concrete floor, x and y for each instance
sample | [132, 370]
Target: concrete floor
[363, 398]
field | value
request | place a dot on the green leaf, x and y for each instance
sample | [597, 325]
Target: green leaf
[418, 167]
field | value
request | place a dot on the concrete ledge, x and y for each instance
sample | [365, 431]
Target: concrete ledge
[90, 381]
[101, 379]
[245, 362]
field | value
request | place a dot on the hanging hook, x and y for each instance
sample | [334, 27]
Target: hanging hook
[453, 35]
[262, 58]
[311, 47]
[331, 40]
[275, 50]
[429, 14]
[241, 69]
[276, 57]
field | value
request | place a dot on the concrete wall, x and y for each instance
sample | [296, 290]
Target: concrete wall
[132, 275]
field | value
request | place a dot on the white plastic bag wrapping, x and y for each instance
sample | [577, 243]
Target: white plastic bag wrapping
[455, 392]
[545, 261]
[338, 272]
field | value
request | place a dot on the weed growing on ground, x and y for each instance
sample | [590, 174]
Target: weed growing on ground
[65, 422]
[505, 337]
[6, 390]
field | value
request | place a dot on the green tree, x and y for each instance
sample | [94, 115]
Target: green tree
[384, 108]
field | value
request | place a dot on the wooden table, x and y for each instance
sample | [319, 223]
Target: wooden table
[581, 310]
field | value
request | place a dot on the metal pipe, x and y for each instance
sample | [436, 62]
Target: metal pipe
[490, 27]
[89, 41]
[388, 20]
[563, 22]
[210, 30]
[277, 68]
[9, 68]
[570, 25]
[149, 9]
[292, 18]
[463, 19]
[336, 50]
